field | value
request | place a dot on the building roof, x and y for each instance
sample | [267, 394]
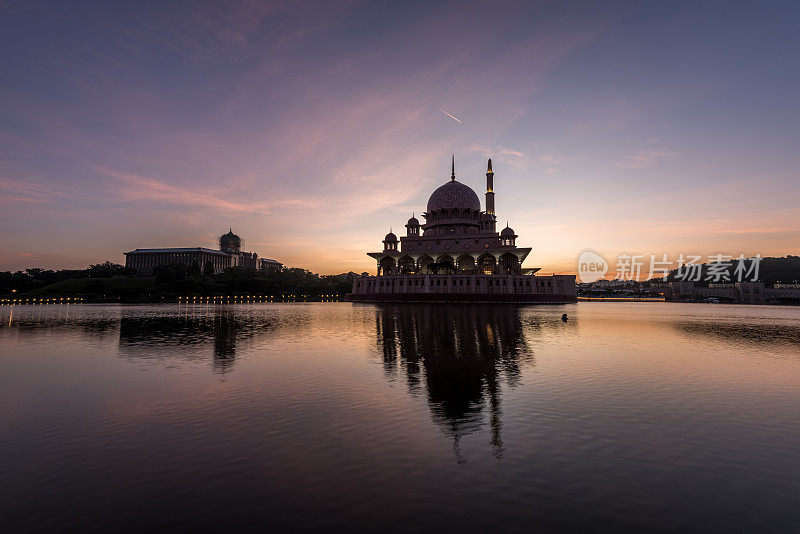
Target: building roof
[507, 232]
[176, 251]
[454, 194]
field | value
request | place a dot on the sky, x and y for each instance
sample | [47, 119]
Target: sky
[312, 128]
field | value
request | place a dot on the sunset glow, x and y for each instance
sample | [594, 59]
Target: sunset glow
[311, 128]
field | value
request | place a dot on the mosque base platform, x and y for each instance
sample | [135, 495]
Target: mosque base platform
[552, 289]
[461, 297]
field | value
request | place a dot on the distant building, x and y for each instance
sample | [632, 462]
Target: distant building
[457, 254]
[610, 283]
[739, 292]
[266, 264]
[143, 261]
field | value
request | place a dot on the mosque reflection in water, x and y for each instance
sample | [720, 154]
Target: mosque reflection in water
[460, 357]
[457, 355]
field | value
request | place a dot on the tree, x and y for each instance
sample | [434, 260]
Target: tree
[180, 271]
[96, 287]
[208, 268]
[164, 274]
[106, 270]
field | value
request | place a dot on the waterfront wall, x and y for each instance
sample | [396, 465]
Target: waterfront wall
[465, 287]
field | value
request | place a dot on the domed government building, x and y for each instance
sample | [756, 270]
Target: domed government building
[457, 254]
[145, 261]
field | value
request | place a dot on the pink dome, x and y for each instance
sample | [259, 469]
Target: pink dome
[454, 194]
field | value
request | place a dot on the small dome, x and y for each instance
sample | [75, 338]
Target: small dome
[390, 237]
[230, 237]
[413, 222]
[454, 194]
[507, 232]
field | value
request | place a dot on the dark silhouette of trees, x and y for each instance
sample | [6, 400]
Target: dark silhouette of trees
[107, 270]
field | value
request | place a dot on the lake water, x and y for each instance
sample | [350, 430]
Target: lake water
[334, 416]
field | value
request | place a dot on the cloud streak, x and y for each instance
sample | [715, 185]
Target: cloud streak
[27, 192]
[133, 187]
[645, 158]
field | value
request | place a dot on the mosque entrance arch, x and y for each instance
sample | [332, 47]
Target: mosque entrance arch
[386, 266]
[509, 263]
[424, 263]
[446, 265]
[486, 264]
[407, 265]
[466, 264]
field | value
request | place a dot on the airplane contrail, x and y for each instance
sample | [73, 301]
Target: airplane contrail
[452, 117]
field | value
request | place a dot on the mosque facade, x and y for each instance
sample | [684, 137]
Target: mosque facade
[457, 254]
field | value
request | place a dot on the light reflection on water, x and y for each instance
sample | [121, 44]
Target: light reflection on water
[400, 417]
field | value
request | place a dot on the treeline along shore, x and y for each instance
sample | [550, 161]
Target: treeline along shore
[111, 282]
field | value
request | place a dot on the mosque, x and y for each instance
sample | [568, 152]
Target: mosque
[458, 255]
